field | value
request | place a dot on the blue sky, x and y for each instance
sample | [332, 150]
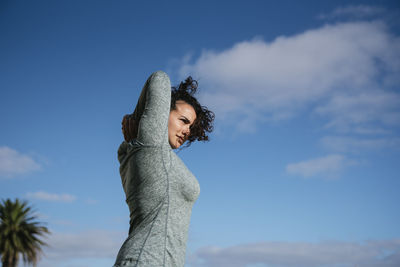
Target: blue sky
[302, 168]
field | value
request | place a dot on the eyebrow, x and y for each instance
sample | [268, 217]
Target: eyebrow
[186, 119]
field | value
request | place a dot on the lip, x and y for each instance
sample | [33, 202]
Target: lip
[181, 139]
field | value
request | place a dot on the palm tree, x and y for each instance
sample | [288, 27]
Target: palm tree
[19, 233]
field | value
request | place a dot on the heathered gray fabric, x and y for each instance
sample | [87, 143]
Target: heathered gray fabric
[160, 190]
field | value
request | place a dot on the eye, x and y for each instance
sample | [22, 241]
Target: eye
[185, 121]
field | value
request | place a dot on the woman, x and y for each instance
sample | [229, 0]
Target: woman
[160, 190]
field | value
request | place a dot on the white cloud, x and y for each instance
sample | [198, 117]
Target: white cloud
[87, 244]
[349, 112]
[345, 73]
[41, 195]
[13, 163]
[63, 222]
[354, 11]
[285, 254]
[71, 249]
[327, 166]
[357, 145]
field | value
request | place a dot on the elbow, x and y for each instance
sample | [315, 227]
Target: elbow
[160, 75]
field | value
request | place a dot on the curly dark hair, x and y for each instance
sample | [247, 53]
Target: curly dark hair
[204, 117]
[184, 92]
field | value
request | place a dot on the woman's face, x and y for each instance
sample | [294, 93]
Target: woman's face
[180, 120]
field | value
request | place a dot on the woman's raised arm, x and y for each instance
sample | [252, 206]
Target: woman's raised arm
[152, 110]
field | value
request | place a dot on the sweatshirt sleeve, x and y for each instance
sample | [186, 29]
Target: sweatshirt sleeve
[153, 109]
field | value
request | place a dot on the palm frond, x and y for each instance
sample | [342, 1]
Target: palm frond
[20, 233]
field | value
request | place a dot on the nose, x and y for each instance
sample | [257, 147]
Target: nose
[186, 131]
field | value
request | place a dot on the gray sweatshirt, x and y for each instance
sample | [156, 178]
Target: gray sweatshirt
[160, 190]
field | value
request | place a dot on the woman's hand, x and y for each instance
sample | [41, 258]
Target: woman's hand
[129, 127]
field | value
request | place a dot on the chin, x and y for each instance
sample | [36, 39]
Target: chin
[174, 146]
